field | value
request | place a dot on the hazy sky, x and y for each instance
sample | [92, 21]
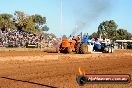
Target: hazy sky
[88, 13]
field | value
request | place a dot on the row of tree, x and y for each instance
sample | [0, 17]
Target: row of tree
[108, 29]
[20, 21]
[37, 23]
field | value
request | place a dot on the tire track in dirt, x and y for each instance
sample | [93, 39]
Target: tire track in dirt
[63, 71]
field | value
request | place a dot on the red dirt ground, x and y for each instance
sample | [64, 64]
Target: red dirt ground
[37, 69]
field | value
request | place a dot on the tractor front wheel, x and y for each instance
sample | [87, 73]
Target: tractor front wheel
[78, 48]
[69, 49]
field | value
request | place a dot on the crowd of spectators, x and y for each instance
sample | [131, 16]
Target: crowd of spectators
[15, 38]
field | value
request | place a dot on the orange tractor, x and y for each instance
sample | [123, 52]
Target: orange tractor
[67, 46]
[74, 45]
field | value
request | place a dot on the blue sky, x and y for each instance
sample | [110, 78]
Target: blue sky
[74, 12]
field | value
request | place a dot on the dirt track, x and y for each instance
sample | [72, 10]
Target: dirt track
[36, 69]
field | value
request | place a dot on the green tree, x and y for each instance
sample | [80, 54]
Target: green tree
[32, 24]
[28, 23]
[45, 28]
[95, 35]
[6, 21]
[129, 36]
[108, 29]
[20, 20]
[123, 34]
[39, 20]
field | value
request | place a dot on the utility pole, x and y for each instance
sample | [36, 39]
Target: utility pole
[61, 20]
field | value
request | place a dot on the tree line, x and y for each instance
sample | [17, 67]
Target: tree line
[108, 29]
[37, 23]
[20, 21]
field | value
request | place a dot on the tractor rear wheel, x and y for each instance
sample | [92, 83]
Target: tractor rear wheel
[84, 48]
[78, 48]
[60, 49]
